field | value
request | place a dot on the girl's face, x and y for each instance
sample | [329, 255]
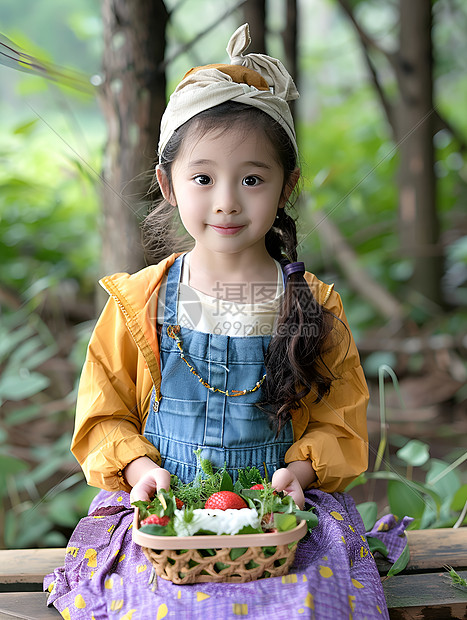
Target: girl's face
[228, 188]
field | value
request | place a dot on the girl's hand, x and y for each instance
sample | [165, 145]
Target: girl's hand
[298, 475]
[285, 480]
[146, 478]
[151, 482]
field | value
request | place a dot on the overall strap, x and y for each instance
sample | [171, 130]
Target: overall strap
[171, 292]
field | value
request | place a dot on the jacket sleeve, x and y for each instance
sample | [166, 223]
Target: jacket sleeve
[335, 435]
[108, 426]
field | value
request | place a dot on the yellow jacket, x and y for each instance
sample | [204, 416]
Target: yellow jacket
[122, 367]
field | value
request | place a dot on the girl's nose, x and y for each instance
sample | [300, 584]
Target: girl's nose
[226, 201]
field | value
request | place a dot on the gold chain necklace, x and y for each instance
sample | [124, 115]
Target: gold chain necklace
[173, 332]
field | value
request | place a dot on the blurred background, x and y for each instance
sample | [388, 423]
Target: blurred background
[382, 133]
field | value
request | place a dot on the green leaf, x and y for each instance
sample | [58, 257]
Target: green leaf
[251, 493]
[143, 508]
[237, 553]
[416, 486]
[361, 479]
[284, 522]
[10, 341]
[404, 500]
[448, 485]
[61, 511]
[156, 530]
[308, 516]
[401, 562]
[249, 529]
[377, 545]
[22, 385]
[249, 476]
[22, 415]
[25, 128]
[10, 465]
[32, 526]
[226, 483]
[368, 511]
[415, 453]
[459, 499]
[220, 566]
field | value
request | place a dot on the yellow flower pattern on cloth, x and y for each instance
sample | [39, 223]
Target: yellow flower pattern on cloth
[162, 611]
[325, 572]
[91, 556]
[240, 609]
[80, 603]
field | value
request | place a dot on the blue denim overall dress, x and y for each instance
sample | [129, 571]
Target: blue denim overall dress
[231, 430]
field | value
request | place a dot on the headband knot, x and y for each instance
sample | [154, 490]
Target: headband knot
[239, 43]
[269, 87]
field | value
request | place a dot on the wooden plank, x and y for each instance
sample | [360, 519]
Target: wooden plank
[26, 606]
[429, 595]
[433, 549]
[23, 566]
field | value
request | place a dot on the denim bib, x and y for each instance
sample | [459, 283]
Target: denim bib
[231, 430]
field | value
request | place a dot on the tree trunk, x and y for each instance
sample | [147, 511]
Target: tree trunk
[254, 13]
[133, 100]
[413, 120]
[290, 39]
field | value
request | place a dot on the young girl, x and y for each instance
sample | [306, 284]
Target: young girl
[232, 348]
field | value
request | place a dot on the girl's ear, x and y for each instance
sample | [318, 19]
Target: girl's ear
[164, 184]
[289, 187]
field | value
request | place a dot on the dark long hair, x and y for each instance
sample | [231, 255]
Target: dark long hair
[294, 359]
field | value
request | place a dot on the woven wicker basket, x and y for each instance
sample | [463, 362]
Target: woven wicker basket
[198, 559]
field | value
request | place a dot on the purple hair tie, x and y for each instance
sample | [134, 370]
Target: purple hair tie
[294, 268]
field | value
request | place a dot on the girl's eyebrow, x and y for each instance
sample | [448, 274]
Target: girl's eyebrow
[207, 162]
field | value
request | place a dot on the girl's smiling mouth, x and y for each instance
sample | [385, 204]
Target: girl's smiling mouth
[226, 229]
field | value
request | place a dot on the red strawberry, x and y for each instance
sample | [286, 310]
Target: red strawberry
[179, 503]
[223, 500]
[154, 519]
[259, 487]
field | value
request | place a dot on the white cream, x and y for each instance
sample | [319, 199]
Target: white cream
[218, 521]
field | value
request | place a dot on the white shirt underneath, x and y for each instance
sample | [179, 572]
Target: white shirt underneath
[220, 316]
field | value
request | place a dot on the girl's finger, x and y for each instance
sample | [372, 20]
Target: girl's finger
[281, 479]
[150, 483]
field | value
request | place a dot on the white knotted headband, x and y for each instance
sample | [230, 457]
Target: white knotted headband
[205, 87]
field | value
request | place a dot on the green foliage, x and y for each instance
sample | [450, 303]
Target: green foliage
[368, 512]
[415, 453]
[401, 562]
[456, 579]
[249, 476]
[48, 218]
[42, 493]
[434, 502]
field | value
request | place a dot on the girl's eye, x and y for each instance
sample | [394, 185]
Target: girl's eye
[251, 181]
[202, 179]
